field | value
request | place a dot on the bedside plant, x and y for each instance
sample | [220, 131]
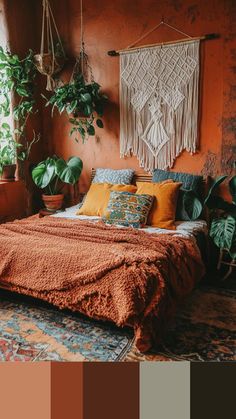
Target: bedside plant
[83, 102]
[223, 217]
[9, 153]
[51, 175]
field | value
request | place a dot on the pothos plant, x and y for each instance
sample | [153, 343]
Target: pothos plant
[84, 103]
[17, 80]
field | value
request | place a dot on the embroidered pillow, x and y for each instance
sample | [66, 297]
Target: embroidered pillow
[98, 196]
[165, 196]
[122, 177]
[128, 209]
[189, 182]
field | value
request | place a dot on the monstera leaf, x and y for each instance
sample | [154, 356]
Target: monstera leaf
[223, 232]
[44, 173]
[210, 199]
[232, 188]
[69, 171]
[192, 205]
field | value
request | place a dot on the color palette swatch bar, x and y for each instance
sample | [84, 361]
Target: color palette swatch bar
[148, 390]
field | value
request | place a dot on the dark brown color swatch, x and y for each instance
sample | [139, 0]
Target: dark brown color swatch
[66, 390]
[111, 390]
[213, 390]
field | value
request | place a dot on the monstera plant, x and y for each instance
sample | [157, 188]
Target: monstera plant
[51, 175]
[223, 223]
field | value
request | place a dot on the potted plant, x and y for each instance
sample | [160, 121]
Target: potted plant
[8, 153]
[51, 174]
[83, 102]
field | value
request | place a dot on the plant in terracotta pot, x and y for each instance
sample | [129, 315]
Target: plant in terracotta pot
[8, 153]
[51, 175]
[83, 102]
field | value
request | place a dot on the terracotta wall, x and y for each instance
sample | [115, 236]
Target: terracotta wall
[116, 24]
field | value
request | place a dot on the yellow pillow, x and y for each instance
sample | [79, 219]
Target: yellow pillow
[165, 195]
[97, 198]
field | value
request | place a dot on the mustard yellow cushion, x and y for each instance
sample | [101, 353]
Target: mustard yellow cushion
[165, 195]
[98, 196]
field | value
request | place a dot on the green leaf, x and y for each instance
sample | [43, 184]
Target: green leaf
[232, 188]
[44, 173]
[213, 187]
[192, 205]
[91, 130]
[22, 92]
[71, 108]
[86, 97]
[222, 232]
[218, 203]
[69, 171]
[6, 126]
[99, 123]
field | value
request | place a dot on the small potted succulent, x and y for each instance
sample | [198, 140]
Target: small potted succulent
[84, 103]
[51, 175]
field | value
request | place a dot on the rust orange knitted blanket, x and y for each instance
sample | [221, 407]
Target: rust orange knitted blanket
[122, 275]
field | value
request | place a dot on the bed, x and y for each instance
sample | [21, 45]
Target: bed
[130, 277]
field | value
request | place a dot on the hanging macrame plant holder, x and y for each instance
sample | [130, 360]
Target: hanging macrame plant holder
[50, 61]
[82, 68]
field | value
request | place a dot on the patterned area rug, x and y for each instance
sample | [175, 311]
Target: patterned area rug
[204, 330]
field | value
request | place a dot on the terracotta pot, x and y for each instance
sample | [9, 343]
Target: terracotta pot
[53, 202]
[9, 171]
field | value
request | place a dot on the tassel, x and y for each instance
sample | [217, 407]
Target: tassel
[50, 84]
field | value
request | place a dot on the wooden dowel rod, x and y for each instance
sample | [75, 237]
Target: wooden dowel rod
[114, 53]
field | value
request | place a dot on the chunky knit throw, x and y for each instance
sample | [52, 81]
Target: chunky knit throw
[118, 274]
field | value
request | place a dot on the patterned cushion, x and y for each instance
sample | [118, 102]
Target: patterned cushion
[98, 196]
[128, 209]
[189, 182]
[121, 177]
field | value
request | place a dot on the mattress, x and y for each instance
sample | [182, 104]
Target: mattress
[191, 229]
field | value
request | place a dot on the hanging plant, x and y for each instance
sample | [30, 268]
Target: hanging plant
[81, 98]
[49, 62]
[84, 103]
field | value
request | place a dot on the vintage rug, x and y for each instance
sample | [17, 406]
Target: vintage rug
[204, 330]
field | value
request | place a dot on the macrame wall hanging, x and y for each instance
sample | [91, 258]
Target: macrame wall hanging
[159, 100]
[51, 58]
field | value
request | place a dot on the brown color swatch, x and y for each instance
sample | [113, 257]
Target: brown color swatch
[213, 390]
[111, 390]
[25, 390]
[66, 390]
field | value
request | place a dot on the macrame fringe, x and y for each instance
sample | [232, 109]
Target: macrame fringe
[180, 126]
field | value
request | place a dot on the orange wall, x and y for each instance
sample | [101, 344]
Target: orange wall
[116, 24]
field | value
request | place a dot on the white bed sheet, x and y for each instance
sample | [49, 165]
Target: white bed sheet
[183, 228]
